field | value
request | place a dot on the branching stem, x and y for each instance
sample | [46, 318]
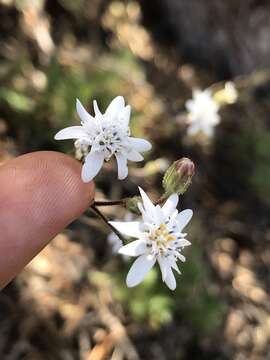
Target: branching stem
[104, 218]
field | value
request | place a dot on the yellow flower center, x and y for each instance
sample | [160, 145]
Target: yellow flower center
[161, 236]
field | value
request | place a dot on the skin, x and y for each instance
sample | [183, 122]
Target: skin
[40, 194]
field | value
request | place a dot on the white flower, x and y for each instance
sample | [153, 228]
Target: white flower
[115, 242]
[159, 238]
[202, 113]
[107, 134]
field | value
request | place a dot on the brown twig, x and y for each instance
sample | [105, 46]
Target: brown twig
[106, 221]
[109, 202]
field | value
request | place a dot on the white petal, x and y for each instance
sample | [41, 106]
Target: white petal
[183, 218]
[115, 242]
[189, 105]
[170, 279]
[181, 257]
[193, 129]
[140, 145]
[134, 248]
[170, 205]
[172, 219]
[174, 266]
[147, 217]
[134, 155]
[139, 269]
[122, 166]
[72, 132]
[129, 228]
[159, 215]
[183, 242]
[96, 108]
[83, 114]
[183, 235]
[125, 115]
[115, 106]
[144, 215]
[92, 165]
[163, 267]
[147, 203]
[208, 130]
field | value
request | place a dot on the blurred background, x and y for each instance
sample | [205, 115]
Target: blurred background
[71, 302]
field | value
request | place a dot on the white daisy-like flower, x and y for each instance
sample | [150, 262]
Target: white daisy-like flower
[159, 238]
[106, 134]
[202, 113]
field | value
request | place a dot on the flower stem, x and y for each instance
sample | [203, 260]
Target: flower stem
[108, 203]
[123, 202]
[104, 218]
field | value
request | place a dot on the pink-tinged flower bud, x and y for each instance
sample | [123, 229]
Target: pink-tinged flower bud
[178, 177]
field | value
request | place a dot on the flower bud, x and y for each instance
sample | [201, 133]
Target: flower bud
[178, 177]
[131, 204]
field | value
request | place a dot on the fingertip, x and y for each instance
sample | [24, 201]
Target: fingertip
[56, 179]
[67, 172]
[40, 194]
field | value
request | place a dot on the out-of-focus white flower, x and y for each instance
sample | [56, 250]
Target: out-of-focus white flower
[159, 238]
[114, 242]
[106, 134]
[202, 113]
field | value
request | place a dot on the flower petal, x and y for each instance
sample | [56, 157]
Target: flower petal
[140, 145]
[189, 105]
[170, 279]
[147, 203]
[159, 215]
[134, 248]
[129, 228]
[125, 115]
[194, 128]
[163, 267]
[183, 242]
[134, 155]
[208, 130]
[92, 165]
[183, 218]
[170, 205]
[115, 242]
[96, 108]
[115, 106]
[174, 266]
[72, 132]
[145, 216]
[181, 257]
[139, 269]
[83, 114]
[122, 166]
